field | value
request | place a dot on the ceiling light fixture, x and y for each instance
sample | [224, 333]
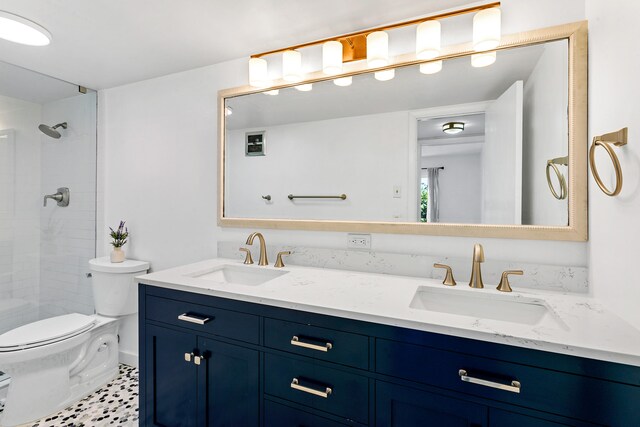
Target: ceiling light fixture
[21, 30]
[452, 128]
[373, 45]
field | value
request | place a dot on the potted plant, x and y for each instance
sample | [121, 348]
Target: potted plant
[119, 238]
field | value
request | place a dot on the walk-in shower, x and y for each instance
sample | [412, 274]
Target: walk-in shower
[51, 130]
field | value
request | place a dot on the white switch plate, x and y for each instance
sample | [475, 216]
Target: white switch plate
[397, 191]
[358, 241]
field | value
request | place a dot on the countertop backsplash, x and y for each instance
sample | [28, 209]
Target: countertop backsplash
[572, 279]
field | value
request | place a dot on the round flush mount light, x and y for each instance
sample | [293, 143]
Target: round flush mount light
[452, 128]
[20, 30]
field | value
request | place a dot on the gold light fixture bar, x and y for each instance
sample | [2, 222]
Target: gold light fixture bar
[355, 44]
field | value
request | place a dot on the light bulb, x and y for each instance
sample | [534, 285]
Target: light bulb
[486, 29]
[377, 49]
[428, 40]
[480, 60]
[292, 66]
[332, 57]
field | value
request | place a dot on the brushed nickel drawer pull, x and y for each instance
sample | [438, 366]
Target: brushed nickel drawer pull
[295, 384]
[295, 340]
[193, 319]
[514, 387]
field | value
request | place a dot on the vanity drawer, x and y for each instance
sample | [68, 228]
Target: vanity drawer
[320, 343]
[202, 318]
[543, 389]
[326, 389]
[277, 415]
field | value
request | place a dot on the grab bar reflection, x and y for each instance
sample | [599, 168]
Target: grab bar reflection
[342, 197]
[553, 164]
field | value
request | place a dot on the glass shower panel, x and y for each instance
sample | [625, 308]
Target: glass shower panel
[44, 250]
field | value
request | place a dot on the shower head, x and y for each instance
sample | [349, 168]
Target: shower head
[51, 130]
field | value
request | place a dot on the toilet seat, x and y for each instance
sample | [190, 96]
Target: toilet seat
[47, 331]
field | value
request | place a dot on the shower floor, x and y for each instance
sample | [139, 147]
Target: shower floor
[115, 404]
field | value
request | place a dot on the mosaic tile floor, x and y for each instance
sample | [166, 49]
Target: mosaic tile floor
[115, 404]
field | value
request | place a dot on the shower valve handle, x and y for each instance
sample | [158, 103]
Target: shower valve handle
[61, 197]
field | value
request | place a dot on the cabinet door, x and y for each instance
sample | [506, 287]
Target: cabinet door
[398, 406]
[171, 385]
[229, 382]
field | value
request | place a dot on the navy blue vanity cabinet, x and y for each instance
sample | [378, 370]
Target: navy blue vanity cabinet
[266, 366]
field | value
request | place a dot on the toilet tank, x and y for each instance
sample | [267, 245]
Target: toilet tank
[115, 293]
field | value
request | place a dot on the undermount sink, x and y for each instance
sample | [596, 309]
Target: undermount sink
[238, 275]
[507, 308]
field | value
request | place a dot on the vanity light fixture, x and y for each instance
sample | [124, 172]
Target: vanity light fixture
[332, 57]
[17, 29]
[292, 65]
[385, 75]
[452, 128]
[373, 45]
[377, 49]
[304, 88]
[343, 81]
[272, 92]
[485, 59]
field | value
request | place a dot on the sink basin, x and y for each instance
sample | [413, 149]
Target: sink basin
[507, 308]
[238, 275]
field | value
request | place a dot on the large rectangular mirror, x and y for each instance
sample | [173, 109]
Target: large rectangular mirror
[493, 151]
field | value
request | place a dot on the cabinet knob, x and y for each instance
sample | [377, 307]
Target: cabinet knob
[188, 357]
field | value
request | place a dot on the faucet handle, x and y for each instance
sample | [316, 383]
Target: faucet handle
[504, 285]
[247, 259]
[448, 278]
[279, 263]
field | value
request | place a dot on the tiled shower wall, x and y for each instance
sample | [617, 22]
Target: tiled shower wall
[67, 238]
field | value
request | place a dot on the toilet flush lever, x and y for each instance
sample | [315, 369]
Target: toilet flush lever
[61, 197]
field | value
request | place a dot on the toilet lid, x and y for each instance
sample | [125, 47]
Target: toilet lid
[45, 331]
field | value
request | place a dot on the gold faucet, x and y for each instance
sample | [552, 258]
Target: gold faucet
[263, 247]
[476, 274]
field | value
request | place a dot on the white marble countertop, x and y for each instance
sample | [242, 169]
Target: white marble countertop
[574, 325]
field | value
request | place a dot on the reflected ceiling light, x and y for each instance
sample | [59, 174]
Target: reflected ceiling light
[377, 49]
[228, 111]
[20, 30]
[292, 66]
[451, 128]
[480, 60]
[428, 40]
[272, 92]
[385, 75]
[304, 88]
[332, 57]
[431, 67]
[343, 81]
[258, 76]
[486, 29]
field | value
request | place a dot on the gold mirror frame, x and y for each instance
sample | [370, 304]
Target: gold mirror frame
[574, 33]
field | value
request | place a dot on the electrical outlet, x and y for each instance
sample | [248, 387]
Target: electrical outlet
[358, 241]
[397, 192]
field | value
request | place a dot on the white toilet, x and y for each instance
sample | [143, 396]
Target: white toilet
[54, 362]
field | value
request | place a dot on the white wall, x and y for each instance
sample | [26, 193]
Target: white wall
[614, 223]
[158, 157]
[460, 186]
[545, 136]
[326, 157]
[68, 233]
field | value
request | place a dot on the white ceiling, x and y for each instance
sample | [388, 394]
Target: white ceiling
[106, 43]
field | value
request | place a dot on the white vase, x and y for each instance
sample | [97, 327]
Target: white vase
[117, 255]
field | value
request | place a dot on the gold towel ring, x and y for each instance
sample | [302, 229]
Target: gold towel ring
[606, 141]
[563, 182]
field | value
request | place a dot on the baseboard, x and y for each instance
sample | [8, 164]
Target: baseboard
[128, 358]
